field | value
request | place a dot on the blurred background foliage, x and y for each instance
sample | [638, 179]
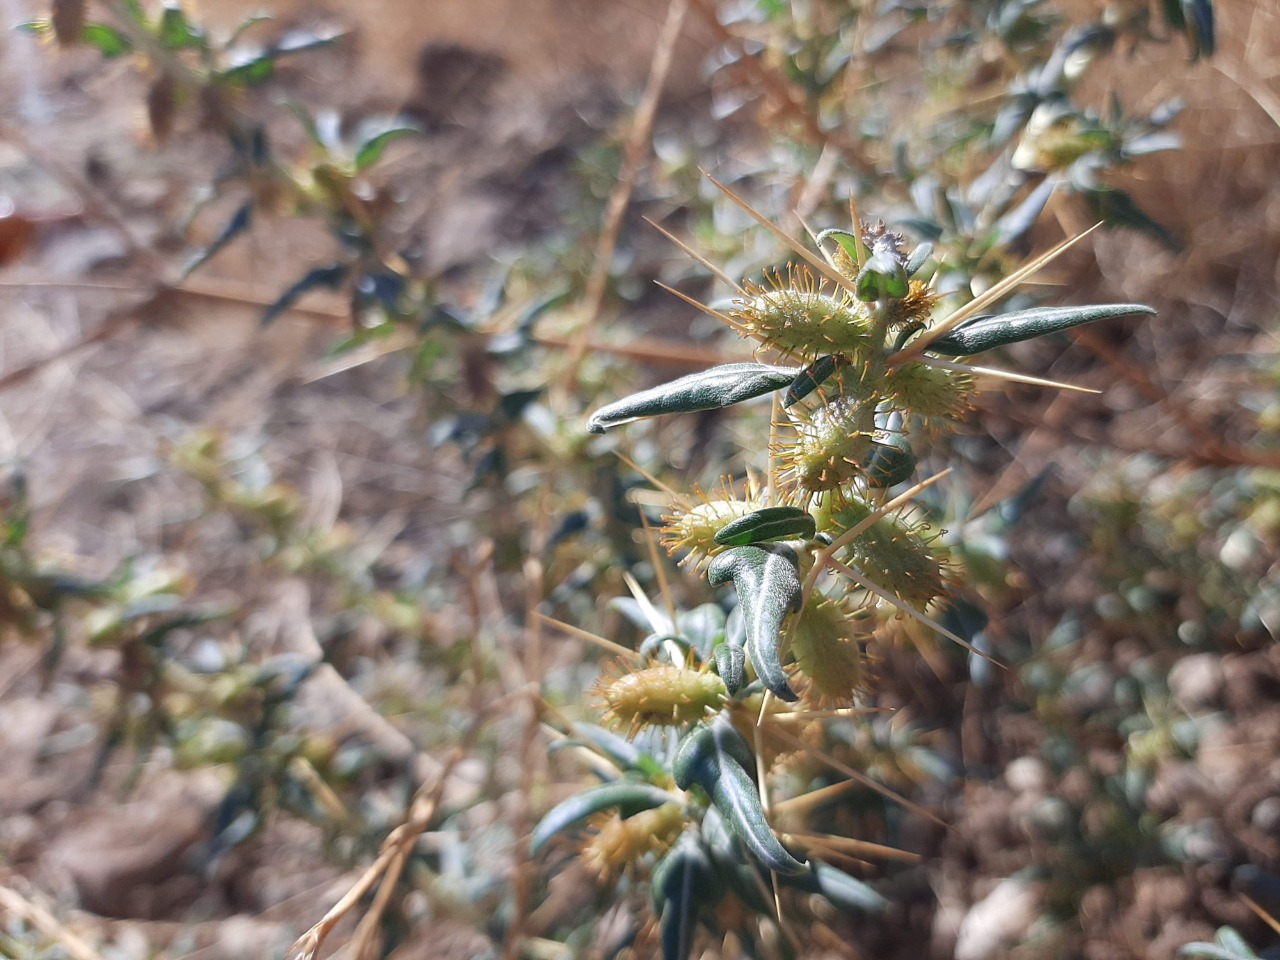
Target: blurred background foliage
[303, 319]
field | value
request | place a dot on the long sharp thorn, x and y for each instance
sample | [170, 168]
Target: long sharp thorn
[908, 609]
[709, 311]
[1004, 375]
[798, 248]
[991, 296]
[714, 270]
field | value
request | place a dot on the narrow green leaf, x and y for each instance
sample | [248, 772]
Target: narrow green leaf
[767, 580]
[919, 257]
[628, 796]
[810, 379]
[987, 333]
[844, 891]
[716, 757]
[731, 664]
[373, 140]
[768, 523]
[300, 41]
[686, 873]
[330, 276]
[888, 464]
[238, 224]
[108, 41]
[685, 882]
[711, 389]
[1118, 208]
[248, 69]
[41, 27]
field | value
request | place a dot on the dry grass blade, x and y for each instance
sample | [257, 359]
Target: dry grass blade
[19, 907]
[997, 292]
[819, 264]
[651, 612]
[633, 155]
[395, 850]
[587, 635]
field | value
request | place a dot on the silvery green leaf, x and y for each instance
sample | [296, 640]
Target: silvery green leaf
[1015, 224]
[767, 523]
[711, 389]
[844, 891]
[767, 580]
[628, 796]
[919, 257]
[731, 664]
[716, 757]
[888, 464]
[987, 333]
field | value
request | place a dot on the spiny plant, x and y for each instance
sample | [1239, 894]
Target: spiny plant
[822, 556]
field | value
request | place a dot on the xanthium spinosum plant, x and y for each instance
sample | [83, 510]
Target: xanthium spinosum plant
[817, 556]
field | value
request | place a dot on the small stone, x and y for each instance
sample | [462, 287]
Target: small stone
[998, 920]
[1196, 682]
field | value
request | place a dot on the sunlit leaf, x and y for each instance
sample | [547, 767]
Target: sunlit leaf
[374, 136]
[711, 389]
[987, 333]
[716, 757]
[768, 584]
[628, 797]
[768, 523]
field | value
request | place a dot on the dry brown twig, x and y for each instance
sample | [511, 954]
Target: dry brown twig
[14, 904]
[391, 859]
[633, 155]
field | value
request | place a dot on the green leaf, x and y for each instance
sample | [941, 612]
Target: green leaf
[374, 137]
[685, 870]
[882, 278]
[731, 664]
[810, 379]
[238, 224]
[176, 32]
[1118, 208]
[684, 882]
[41, 27]
[919, 257]
[108, 41]
[767, 523]
[847, 240]
[716, 757]
[628, 796]
[987, 333]
[330, 276]
[767, 580]
[844, 891]
[247, 70]
[888, 464]
[711, 389]
[1227, 945]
